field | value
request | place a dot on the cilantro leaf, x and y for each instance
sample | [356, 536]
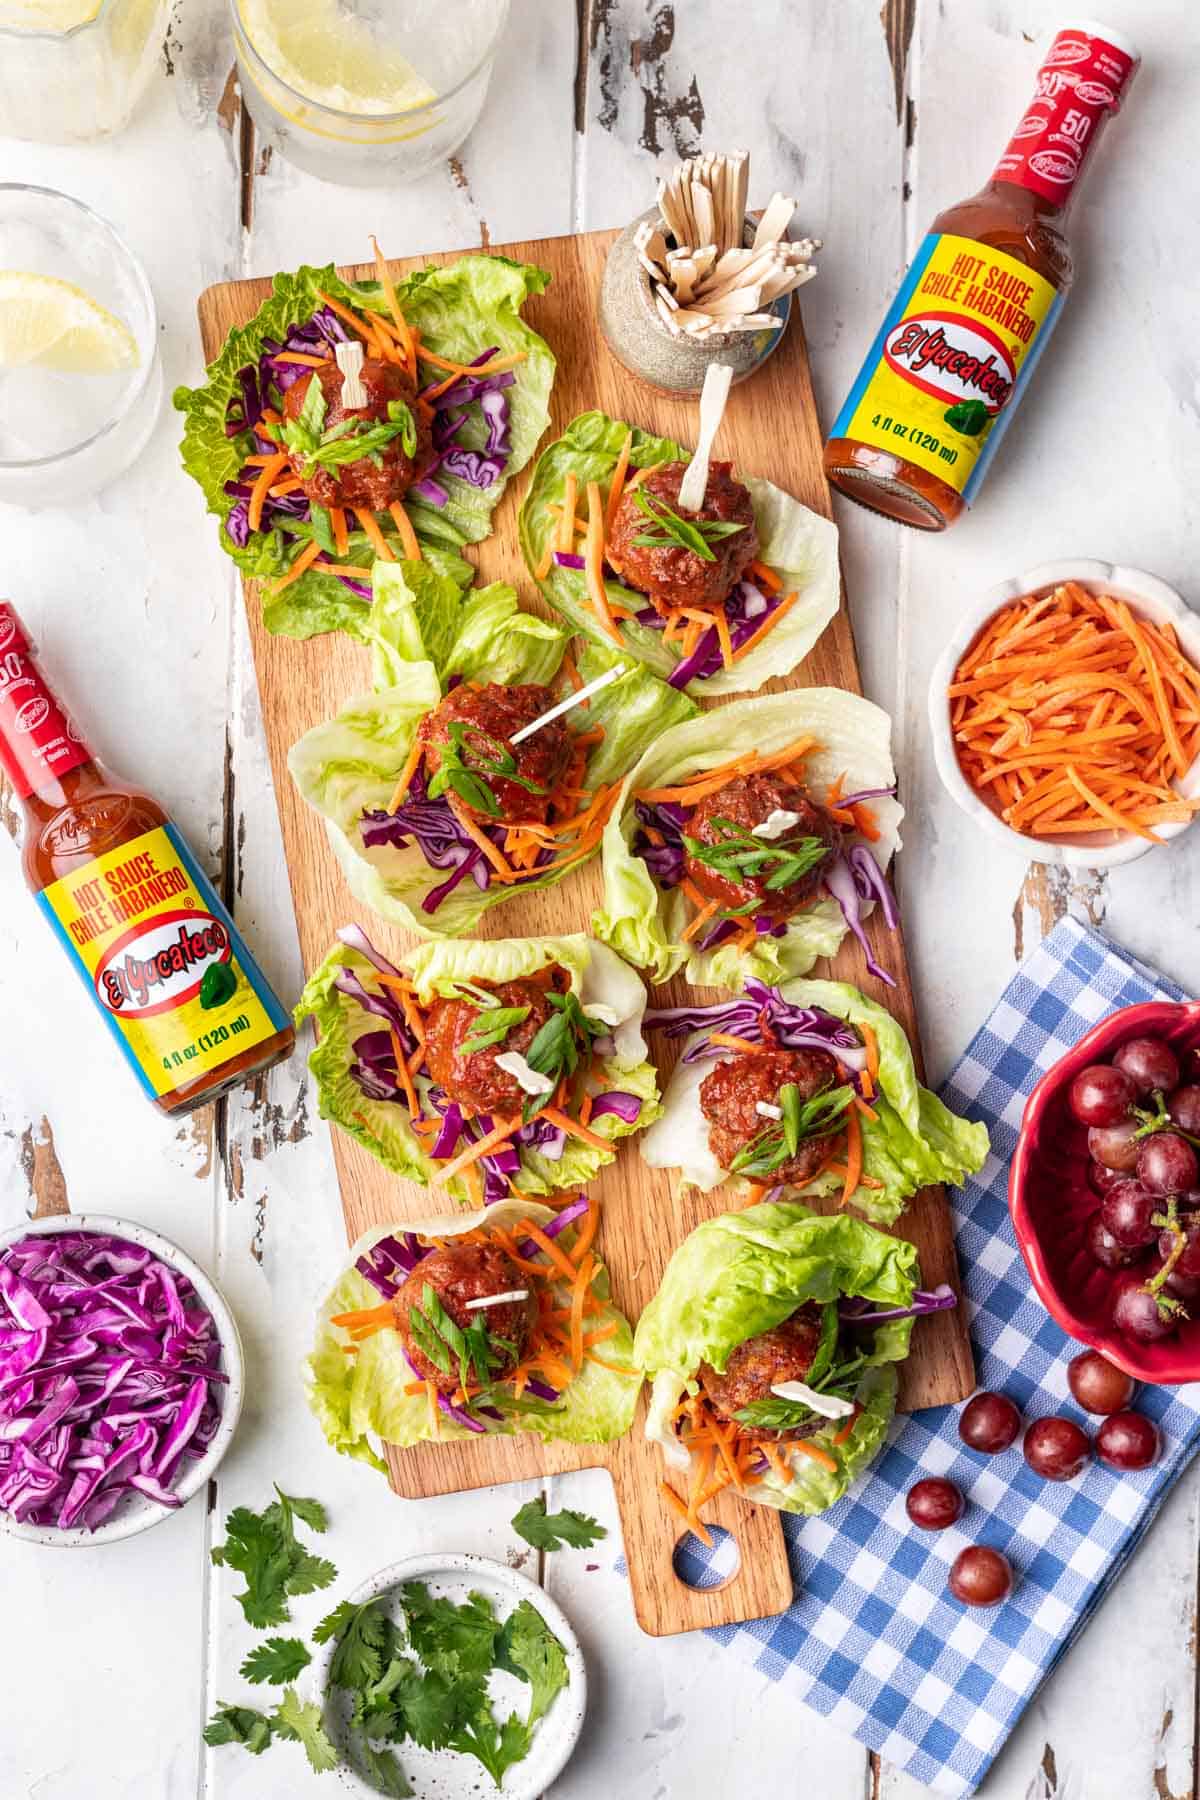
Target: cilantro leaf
[239, 1725]
[453, 1640]
[381, 1769]
[550, 1531]
[263, 1548]
[308, 1573]
[528, 1648]
[363, 1635]
[497, 1746]
[279, 1661]
[433, 1706]
[311, 1512]
[300, 1720]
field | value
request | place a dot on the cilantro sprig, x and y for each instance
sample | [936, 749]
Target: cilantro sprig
[771, 1147]
[739, 854]
[264, 1548]
[550, 1531]
[670, 529]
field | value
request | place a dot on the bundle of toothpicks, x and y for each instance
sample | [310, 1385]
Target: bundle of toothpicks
[704, 279]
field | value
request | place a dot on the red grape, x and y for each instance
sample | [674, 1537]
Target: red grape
[934, 1503]
[1127, 1212]
[981, 1577]
[1187, 1263]
[1101, 1095]
[1128, 1441]
[1105, 1248]
[1167, 1164]
[1138, 1315]
[1056, 1449]
[1101, 1179]
[1149, 1063]
[1097, 1384]
[1191, 1064]
[990, 1423]
[1180, 1287]
[1184, 1108]
[1116, 1146]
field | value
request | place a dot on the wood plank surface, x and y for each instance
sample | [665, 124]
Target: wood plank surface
[771, 428]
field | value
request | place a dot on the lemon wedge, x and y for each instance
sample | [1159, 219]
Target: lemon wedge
[53, 325]
[331, 58]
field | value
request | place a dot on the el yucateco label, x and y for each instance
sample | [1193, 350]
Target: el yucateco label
[38, 742]
[950, 360]
[1080, 81]
[163, 959]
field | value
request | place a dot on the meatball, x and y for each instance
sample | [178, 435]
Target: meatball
[669, 574]
[785, 1353]
[747, 801]
[364, 482]
[494, 713]
[458, 1273]
[730, 1093]
[472, 1077]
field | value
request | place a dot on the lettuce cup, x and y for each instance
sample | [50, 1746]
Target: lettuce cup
[313, 479]
[717, 600]
[470, 1326]
[495, 1069]
[447, 790]
[805, 1088]
[771, 1349]
[751, 839]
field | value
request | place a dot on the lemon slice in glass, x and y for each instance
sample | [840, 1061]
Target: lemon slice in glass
[49, 324]
[331, 58]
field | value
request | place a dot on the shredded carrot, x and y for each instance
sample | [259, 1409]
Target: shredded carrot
[587, 1270]
[341, 537]
[685, 1513]
[854, 1153]
[412, 763]
[565, 1267]
[723, 637]
[285, 487]
[778, 1462]
[767, 577]
[544, 566]
[379, 543]
[480, 838]
[573, 1128]
[299, 356]
[816, 1453]
[699, 920]
[389, 293]
[258, 493]
[710, 781]
[728, 1041]
[871, 1045]
[841, 1436]
[613, 1368]
[616, 486]
[499, 1134]
[337, 568]
[594, 563]
[768, 625]
[408, 537]
[431, 1399]
[305, 560]
[405, 1079]
[496, 366]
[1073, 716]
[565, 535]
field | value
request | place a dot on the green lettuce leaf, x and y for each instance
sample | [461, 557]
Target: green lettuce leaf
[799, 545]
[423, 629]
[607, 988]
[914, 1142]
[646, 923]
[742, 1273]
[361, 1404]
[460, 311]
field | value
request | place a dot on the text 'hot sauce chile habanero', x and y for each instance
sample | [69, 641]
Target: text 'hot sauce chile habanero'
[140, 920]
[924, 418]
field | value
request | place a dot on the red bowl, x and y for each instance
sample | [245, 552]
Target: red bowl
[1051, 1199]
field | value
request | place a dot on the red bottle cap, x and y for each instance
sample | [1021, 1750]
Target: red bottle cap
[1082, 79]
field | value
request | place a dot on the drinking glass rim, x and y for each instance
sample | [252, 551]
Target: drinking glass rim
[149, 363]
[336, 112]
[57, 37]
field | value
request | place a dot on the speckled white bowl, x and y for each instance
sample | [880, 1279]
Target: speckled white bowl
[137, 1513]
[1147, 596]
[444, 1774]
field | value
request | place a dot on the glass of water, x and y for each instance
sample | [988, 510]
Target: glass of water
[75, 69]
[81, 380]
[366, 92]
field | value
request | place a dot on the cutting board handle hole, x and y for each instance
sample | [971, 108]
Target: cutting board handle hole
[696, 1566]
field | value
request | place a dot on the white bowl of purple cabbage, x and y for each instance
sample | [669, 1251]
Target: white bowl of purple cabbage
[121, 1379]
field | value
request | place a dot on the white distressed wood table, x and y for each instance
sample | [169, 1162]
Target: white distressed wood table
[113, 1657]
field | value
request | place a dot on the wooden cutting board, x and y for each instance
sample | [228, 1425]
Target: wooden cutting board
[770, 429]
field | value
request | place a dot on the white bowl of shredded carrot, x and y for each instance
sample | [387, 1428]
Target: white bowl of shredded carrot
[1065, 713]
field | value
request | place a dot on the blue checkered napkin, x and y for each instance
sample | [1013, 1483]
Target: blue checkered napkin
[872, 1641]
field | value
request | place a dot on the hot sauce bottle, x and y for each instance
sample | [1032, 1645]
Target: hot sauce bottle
[925, 417]
[142, 923]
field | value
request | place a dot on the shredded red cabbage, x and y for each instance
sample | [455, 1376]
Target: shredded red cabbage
[926, 1300]
[792, 1027]
[627, 1107]
[109, 1370]
[853, 878]
[746, 608]
[433, 828]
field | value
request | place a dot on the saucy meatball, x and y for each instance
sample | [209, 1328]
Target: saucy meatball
[785, 1353]
[730, 1093]
[365, 482]
[459, 1273]
[494, 713]
[668, 573]
[747, 801]
[472, 1077]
